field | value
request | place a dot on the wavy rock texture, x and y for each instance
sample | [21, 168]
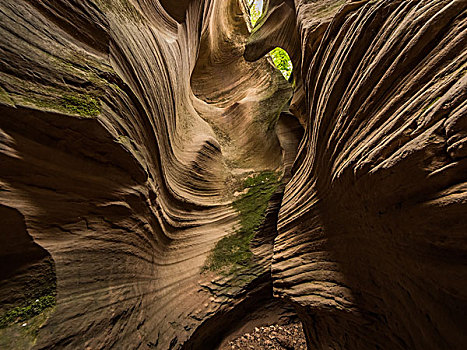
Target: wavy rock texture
[126, 127]
[372, 227]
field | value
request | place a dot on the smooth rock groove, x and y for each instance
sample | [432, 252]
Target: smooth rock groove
[127, 128]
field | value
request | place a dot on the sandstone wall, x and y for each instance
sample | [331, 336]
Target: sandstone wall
[113, 149]
[372, 227]
[128, 128]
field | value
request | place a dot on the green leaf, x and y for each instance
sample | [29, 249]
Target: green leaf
[282, 61]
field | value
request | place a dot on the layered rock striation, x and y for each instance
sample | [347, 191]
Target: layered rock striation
[160, 180]
[127, 126]
[371, 246]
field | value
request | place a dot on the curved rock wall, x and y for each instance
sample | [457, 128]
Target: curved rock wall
[371, 246]
[128, 128]
[112, 150]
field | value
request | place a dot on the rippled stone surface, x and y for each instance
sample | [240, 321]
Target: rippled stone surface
[127, 129]
[372, 227]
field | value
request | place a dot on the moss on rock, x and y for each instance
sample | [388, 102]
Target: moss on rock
[23, 335]
[232, 252]
[84, 105]
[24, 313]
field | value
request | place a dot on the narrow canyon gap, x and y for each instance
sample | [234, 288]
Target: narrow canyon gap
[162, 186]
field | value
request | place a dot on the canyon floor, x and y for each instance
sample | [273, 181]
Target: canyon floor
[273, 337]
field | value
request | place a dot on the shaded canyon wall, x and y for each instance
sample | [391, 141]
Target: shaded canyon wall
[372, 227]
[134, 136]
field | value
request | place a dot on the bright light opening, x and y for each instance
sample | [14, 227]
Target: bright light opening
[256, 8]
[279, 56]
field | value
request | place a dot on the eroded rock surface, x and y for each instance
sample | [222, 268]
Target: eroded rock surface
[126, 128]
[372, 227]
[146, 149]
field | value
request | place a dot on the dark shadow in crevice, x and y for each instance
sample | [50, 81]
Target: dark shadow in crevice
[257, 308]
[27, 271]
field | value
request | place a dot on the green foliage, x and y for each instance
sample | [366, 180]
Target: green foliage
[282, 61]
[280, 57]
[84, 105]
[232, 252]
[255, 12]
[23, 313]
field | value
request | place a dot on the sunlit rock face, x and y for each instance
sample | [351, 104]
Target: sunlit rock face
[126, 128]
[372, 227]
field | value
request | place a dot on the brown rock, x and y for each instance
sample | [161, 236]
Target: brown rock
[127, 129]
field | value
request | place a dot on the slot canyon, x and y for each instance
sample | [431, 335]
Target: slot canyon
[164, 186]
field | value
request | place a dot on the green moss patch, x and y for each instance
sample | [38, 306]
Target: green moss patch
[5, 98]
[83, 105]
[429, 105]
[327, 9]
[24, 313]
[28, 305]
[232, 252]
[23, 335]
[79, 104]
[125, 140]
